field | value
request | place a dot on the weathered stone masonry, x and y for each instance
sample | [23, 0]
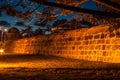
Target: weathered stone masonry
[94, 44]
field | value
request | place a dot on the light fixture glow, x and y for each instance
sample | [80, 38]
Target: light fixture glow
[1, 51]
[5, 30]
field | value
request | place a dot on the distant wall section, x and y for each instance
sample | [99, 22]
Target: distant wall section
[99, 43]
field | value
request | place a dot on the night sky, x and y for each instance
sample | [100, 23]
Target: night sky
[88, 5]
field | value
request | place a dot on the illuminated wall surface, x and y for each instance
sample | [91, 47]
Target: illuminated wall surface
[99, 43]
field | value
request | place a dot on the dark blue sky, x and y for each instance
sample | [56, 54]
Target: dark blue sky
[12, 20]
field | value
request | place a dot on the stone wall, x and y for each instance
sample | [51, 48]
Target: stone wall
[99, 43]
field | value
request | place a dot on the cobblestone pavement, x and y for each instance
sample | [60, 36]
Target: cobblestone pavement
[59, 74]
[34, 67]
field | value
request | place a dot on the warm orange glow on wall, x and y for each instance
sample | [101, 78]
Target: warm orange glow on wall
[94, 44]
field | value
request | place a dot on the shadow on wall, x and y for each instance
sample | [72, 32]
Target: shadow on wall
[13, 34]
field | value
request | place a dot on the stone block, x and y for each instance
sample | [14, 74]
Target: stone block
[105, 53]
[73, 47]
[90, 41]
[78, 38]
[111, 35]
[108, 41]
[115, 41]
[90, 37]
[86, 37]
[77, 43]
[99, 53]
[103, 47]
[116, 47]
[81, 47]
[103, 36]
[100, 41]
[86, 47]
[108, 47]
[71, 39]
[115, 60]
[91, 47]
[94, 52]
[94, 41]
[99, 58]
[85, 42]
[97, 36]
[98, 47]
[82, 52]
[89, 52]
[117, 53]
[117, 34]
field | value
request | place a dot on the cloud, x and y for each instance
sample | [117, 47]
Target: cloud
[5, 23]
[20, 23]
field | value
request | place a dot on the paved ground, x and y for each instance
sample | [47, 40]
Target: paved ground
[38, 67]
